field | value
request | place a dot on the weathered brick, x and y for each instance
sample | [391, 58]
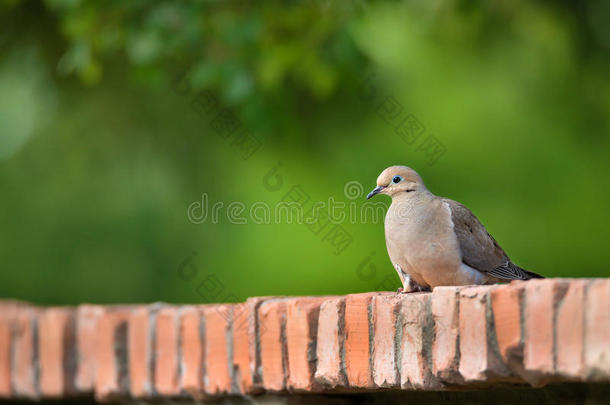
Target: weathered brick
[506, 304]
[140, 352]
[330, 345]
[56, 348]
[538, 334]
[569, 331]
[301, 332]
[191, 337]
[357, 341]
[112, 378]
[415, 369]
[166, 352]
[217, 379]
[87, 331]
[478, 362]
[445, 352]
[8, 313]
[247, 331]
[597, 330]
[385, 345]
[544, 330]
[271, 316]
[25, 364]
[6, 332]
[244, 347]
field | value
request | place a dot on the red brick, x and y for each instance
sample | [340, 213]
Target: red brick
[271, 316]
[444, 306]
[87, 331]
[247, 366]
[56, 344]
[301, 332]
[414, 368]
[191, 337]
[478, 362]
[385, 315]
[25, 383]
[506, 304]
[597, 330]
[357, 341]
[543, 330]
[140, 352]
[217, 379]
[538, 334]
[166, 354]
[112, 379]
[329, 371]
[570, 331]
[244, 347]
[6, 331]
[8, 313]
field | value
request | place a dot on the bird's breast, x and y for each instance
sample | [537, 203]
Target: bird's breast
[421, 238]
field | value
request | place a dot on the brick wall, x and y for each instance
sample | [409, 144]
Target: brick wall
[552, 331]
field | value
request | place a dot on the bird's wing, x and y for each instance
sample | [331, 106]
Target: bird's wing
[479, 249]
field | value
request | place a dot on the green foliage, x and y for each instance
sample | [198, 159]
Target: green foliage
[105, 140]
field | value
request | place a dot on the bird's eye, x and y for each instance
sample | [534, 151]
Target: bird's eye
[396, 179]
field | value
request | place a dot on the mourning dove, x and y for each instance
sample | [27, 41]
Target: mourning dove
[435, 241]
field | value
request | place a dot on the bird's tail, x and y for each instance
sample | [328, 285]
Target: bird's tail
[531, 274]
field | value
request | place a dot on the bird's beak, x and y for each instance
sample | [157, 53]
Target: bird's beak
[375, 191]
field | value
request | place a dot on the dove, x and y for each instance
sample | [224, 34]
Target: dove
[434, 241]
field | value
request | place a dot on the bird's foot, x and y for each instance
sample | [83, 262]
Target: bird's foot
[410, 286]
[412, 289]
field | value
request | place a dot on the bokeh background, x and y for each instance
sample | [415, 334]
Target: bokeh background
[106, 138]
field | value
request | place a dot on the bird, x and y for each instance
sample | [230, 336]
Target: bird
[434, 241]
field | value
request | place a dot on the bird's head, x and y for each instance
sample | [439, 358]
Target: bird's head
[397, 180]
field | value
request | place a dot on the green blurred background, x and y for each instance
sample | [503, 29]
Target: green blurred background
[104, 144]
